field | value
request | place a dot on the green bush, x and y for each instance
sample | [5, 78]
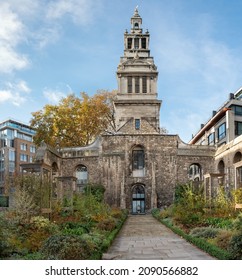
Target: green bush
[189, 205]
[66, 247]
[222, 204]
[238, 223]
[5, 247]
[41, 223]
[28, 237]
[204, 232]
[218, 222]
[96, 190]
[223, 239]
[187, 216]
[107, 224]
[95, 242]
[201, 243]
[235, 246]
[72, 226]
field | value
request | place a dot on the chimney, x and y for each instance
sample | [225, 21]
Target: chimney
[231, 96]
[202, 125]
[214, 113]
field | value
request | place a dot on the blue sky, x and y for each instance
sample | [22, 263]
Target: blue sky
[50, 48]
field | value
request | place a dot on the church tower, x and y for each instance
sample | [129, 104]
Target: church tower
[137, 109]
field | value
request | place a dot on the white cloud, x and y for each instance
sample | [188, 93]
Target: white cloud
[11, 60]
[26, 8]
[55, 95]
[15, 93]
[80, 11]
[12, 33]
[47, 35]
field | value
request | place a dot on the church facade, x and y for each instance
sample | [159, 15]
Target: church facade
[137, 164]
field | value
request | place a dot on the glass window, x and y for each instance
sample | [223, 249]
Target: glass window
[144, 84]
[129, 43]
[238, 128]
[136, 84]
[137, 124]
[11, 155]
[143, 42]
[129, 84]
[138, 159]
[237, 110]
[221, 131]
[23, 157]
[23, 147]
[32, 149]
[211, 138]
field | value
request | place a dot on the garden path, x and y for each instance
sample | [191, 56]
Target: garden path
[142, 237]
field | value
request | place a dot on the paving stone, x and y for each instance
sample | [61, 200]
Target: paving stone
[144, 238]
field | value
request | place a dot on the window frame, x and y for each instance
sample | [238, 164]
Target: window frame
[222, 131]
[211, 138]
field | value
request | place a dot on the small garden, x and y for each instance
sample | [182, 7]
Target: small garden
[212, 225]
[83, 231]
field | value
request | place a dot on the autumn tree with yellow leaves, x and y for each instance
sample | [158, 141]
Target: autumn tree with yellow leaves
[75, 121]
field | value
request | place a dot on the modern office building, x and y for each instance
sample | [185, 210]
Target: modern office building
[224, 125]
[16, 147]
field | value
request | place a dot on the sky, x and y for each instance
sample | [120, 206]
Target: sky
[52, 48]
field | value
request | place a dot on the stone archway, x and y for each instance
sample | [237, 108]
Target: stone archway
[138, 199]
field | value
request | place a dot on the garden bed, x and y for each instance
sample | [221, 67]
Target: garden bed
[84, 232]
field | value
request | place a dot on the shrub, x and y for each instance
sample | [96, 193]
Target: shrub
[223, 239]
[222, 205]
[66, 247]
[204, 232]
[218, 222]
[238, 223]
[187, 217]
[75, 228]
[24, 206]
[117, 213]
[41, 223]
[96, 190]
[201, 243]
[95, 242]
[235, 246]
[4, 234]
[29, 236]
[108, 224]
[189, 205]
[237, 195]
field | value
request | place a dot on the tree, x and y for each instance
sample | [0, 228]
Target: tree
[74, 121]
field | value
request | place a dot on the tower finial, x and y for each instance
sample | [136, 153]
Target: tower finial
[136, 12]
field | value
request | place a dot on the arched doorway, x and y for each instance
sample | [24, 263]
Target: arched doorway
[138, 199]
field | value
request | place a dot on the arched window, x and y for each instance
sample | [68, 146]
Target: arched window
[138, 161]
[221, 167]
[195, 172]
[82, 176]
[237, 157]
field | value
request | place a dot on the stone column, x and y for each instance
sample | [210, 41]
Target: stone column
[153, 187]
[122, 194]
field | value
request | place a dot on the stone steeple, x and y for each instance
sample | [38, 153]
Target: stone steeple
[137, 107]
